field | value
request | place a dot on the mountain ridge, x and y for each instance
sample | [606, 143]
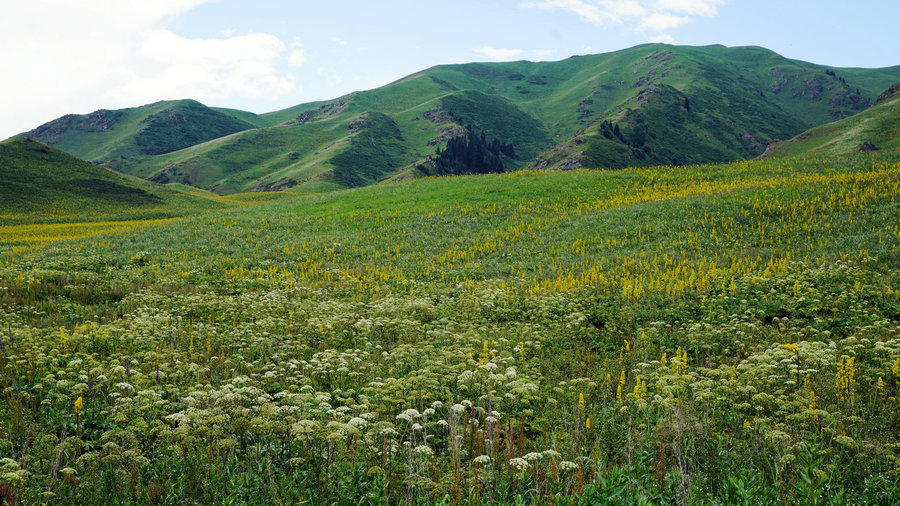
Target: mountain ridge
[669, 105]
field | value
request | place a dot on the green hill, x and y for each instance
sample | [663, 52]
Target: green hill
[40, 184]
[647, 105]
[877, 127]
[153, 129]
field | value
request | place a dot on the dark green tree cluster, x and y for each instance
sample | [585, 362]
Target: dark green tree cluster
[470, 154]
[610, 130]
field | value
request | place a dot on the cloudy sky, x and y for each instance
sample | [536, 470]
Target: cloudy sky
[76, 56]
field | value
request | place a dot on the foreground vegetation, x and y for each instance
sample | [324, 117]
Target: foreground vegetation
[709, 334]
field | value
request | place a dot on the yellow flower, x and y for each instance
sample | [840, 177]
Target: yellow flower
[79, 404]
[581, 401]
[587, 423]
[640, 389]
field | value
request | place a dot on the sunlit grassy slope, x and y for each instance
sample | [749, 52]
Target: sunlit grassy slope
[672, 104]
[705, 334]
[878, 125]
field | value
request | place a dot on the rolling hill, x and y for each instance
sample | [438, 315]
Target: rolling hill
[148, 130]
[41, 184]
[647, 105]
[877, 127]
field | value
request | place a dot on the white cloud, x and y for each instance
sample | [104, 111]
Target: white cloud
[339, 41]
[662, 38]
[501, 54]
[693, 7]
[62, 56]
[297, 57]
[207, 69]
[662, 21]
[498, 54]
[642, 15]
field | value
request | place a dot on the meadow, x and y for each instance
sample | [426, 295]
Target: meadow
[713, 334]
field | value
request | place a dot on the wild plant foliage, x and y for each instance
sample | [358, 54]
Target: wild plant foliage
[722, 333]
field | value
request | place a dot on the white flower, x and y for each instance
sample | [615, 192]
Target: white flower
[567, 466]
[423, 450]
[532, 456]
[482, 459]
[518, 463]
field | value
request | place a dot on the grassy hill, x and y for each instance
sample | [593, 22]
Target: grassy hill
[154, 129]
[40, 184]
[709, 334]
[650, 104]
[877, 127]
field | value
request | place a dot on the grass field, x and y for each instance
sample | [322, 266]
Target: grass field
[704, 334]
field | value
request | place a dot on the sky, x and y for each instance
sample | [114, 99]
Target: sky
[77, 56]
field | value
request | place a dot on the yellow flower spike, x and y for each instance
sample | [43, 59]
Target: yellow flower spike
[640, 389]
[587, 423]
[79, 404]
[879, 387]
[896, 368]
[627, 346]
[62, 338]
[664, 358]
[581, 401]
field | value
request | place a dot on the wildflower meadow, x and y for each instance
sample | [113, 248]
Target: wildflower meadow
[714, 334]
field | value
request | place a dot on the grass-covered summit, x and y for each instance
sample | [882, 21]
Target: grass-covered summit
[152, 129]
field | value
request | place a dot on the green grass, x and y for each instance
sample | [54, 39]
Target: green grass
[40, 184]
[661, 335]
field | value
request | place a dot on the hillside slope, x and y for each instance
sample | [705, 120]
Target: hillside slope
[153, 129]
[650, 104]
[43, 184]
[878, 127]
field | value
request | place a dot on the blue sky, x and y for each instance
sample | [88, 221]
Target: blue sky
[69, 56]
